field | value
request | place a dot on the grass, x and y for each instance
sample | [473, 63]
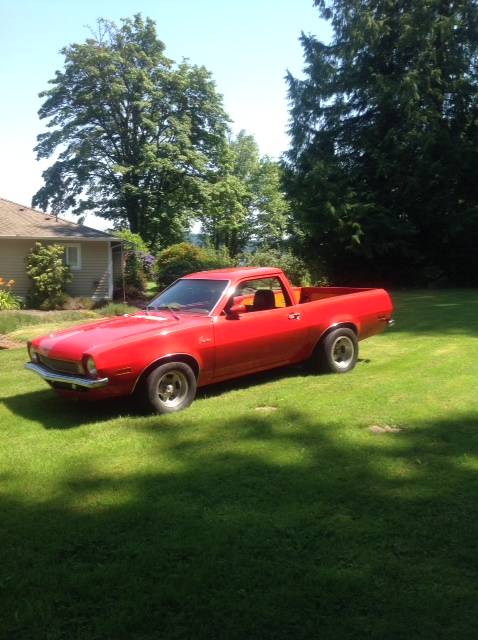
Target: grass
[267, 510]
[21, 325]
[11, 321]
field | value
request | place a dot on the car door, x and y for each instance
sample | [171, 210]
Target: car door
[260, 338]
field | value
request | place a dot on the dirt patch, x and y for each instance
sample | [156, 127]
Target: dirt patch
[266, 409]
[6, 343]
[379, 430]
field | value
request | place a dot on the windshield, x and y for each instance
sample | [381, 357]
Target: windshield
[194, 296]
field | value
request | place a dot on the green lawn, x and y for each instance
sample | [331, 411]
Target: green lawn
[268, 510]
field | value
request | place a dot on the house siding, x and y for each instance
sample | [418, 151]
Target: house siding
[92, 280]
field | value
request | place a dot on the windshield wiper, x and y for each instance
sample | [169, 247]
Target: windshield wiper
[170, 307]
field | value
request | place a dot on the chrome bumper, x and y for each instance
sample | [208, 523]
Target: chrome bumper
[390, 322]
[74, 381]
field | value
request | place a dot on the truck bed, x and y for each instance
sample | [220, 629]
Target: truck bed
[310, 294]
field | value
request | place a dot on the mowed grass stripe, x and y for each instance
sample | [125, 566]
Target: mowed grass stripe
[269, 509]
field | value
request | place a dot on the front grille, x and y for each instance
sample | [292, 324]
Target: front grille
[62, 366]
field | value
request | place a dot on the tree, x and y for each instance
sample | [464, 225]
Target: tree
[246, 202]
[137, 136]
[179, 259]
[383, 168]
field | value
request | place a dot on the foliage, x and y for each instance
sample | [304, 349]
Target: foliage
[294, 267]
[138, 136]
[269, 507]
[134, 275]
[245, 202]
[8, 300]
[78, 303]
[116, 309]
[383, 170]
[225, 216]
[138, 263]
[131, 240]
[180, 259]
[49, 275]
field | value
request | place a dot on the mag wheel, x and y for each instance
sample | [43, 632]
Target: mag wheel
[170, 387]
[337, 352]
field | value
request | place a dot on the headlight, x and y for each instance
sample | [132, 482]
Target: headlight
[90, 366]
[32, 353]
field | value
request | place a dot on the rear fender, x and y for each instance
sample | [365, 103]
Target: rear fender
[339, 325]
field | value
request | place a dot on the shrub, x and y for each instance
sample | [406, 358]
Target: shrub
[294, 267]
[49, 275]
[74, 304]
[138, 263]
[179, 259]
[217, 258]
[8, 300]
[134, 275]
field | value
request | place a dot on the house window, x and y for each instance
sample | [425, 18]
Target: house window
[73, 256]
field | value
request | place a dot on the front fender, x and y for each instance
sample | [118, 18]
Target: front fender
[188, 359]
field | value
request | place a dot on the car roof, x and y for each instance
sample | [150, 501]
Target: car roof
[235, 273]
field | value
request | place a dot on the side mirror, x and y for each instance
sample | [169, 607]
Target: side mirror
[237, 307]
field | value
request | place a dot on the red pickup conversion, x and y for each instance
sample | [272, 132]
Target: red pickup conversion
[208, 327]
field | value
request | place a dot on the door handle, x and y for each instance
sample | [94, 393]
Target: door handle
[294, 316]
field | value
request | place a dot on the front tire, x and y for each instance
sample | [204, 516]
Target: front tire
[337, 352]
[170, 387]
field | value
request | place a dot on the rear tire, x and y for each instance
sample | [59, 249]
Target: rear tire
[169, 388]
[337, 352]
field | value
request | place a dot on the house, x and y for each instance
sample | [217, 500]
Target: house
[94, 257]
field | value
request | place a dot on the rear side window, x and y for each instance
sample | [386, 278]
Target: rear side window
[263, 293]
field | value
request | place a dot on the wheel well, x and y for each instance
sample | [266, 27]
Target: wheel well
[339, 325]
[175, 357]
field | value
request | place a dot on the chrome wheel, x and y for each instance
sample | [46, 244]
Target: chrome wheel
[172, 388]
[343, 352]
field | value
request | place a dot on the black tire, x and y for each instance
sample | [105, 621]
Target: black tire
[337, 352]
[169, 388]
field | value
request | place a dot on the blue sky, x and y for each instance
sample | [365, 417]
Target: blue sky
[247, 45]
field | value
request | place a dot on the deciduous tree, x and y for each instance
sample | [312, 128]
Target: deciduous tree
[136, 136]
[246, 202]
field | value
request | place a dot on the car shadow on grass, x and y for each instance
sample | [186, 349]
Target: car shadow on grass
[255, 379]
[57, 412]
[282, 532]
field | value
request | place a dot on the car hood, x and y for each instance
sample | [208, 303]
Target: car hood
[95, 337]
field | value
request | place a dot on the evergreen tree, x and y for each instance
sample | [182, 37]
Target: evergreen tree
[382, 172]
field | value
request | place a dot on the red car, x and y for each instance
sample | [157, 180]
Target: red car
[208, 327]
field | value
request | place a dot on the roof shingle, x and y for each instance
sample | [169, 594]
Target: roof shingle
[17, 221]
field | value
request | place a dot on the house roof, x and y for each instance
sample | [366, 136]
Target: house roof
[17, 221]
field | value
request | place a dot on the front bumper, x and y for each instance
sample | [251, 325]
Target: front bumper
[72, 382]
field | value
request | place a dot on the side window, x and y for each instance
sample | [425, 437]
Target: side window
[263, 293]
[73, 256]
